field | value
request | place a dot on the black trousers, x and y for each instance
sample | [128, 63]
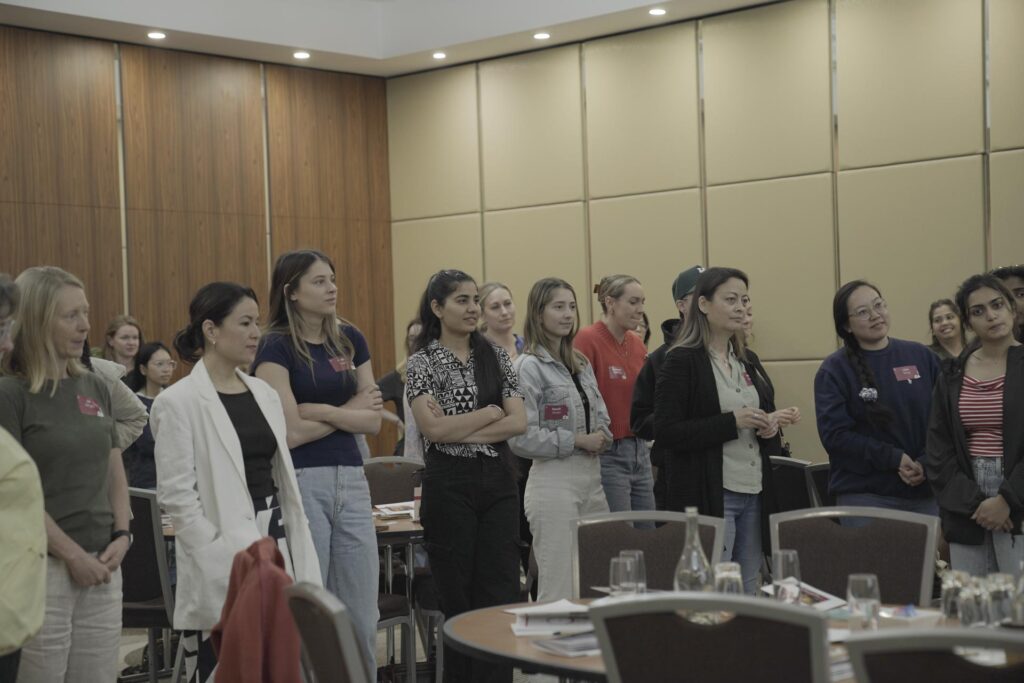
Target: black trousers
[9, 667]
[470, 517]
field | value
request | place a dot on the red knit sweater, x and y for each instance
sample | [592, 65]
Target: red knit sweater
[616, 367]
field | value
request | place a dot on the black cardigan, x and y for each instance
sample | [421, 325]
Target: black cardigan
[947, 459]
[690, 425]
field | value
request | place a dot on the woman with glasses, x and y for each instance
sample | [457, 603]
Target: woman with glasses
[948, 335]
[872, 399]
[151, 375]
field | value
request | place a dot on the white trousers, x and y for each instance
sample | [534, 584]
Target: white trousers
[559, 492]
[81, 631]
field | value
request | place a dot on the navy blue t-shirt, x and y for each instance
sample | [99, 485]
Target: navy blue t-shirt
[331, 381]
[865, 457]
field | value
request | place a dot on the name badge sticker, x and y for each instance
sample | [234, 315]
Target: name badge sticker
[559, 412]
[906, 373]
[746, 378]
[615, 372]
[89, 406]
[340, 364]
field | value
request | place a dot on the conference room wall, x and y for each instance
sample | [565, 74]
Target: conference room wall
[805, 177]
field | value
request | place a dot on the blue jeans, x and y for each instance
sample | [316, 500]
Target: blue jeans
[337, 503]
[626, 476]
[1001, 551]
[924, 506]
[743, 536]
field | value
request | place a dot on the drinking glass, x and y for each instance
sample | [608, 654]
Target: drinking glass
[1001, 594]
[952, 582]
[728, 578]
[638, 566]
[971, 603]
[622, 576]
[786, 576]
[864, 601]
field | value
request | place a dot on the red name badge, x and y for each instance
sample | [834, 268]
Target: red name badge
[615, 372]
[89, 406]
[906, 373]
[339, 364]
[556, 412]
[746, 377]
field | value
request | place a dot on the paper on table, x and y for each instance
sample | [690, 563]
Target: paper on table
[838, 635]
[562, 606]
[552, 618]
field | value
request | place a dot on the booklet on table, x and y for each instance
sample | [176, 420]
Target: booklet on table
[553, 618]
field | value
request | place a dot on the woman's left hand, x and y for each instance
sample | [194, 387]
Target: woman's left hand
[771, 430]
[992, 513]
[114, 553]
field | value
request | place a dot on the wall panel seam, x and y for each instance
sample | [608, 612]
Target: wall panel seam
[588, 267]
[986, 180]
[265, 121]
[701, 151]
[480, 169]
[121, 182]
[833, 86]
[843, 171]
[417, 220]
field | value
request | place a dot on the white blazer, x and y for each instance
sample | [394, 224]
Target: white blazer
[201, 485]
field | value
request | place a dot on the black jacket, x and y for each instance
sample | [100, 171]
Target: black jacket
[641, 413]
[691, 427]
[947, 459]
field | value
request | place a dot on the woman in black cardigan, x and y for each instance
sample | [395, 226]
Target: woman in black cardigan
[713, 413]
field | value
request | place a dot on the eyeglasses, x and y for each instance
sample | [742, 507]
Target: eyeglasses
[865, 312]
[165, 364]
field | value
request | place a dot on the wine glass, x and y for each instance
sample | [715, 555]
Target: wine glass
[864, 601]
[728, 578]
[786, 576]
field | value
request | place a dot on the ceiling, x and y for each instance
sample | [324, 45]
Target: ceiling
[372, 37]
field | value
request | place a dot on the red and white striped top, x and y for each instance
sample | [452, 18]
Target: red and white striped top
[981, 411]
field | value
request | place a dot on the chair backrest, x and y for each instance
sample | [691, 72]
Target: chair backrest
[898, 547]
[817, 484]
[144, 571]
[652, 639]
[600, 537]
[329, 646]
[789, 477]
[928, 655]
[391, 479]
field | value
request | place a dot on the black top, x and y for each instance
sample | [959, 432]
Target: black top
[641, 414]
[139, 462]
[391, 389]
[257, 439]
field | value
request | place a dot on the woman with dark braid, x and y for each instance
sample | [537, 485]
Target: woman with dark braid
[872, 399]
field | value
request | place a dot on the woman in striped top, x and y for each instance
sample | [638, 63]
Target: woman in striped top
[975, 449]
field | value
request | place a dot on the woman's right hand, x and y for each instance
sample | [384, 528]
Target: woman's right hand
[367, 399]
[595, 442]
[751, 418]
[87, 571]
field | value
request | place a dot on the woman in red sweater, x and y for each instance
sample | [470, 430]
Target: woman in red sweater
[617, 358]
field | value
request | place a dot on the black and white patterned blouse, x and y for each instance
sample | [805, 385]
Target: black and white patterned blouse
[436, 371]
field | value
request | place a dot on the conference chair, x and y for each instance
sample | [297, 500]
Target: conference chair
[329, 647]
[896, 546]
[936, 655]
[391, 479]
[790, 478]
[817, 487]
[668, 638]
[600, 537]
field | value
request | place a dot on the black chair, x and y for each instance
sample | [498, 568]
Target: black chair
[790, 478]
[600, 537]
[391, 479]
[148, 601]
[929, 655]
[817, 485]
[329, 647]
[674, 638]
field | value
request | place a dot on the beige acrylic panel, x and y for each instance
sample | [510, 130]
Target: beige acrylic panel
[780, 233]
[531, 129]
[766, 92]
[909, 80]
[1006, 84]
[433, 145]
[794, 386]
[421, 248]
[1006, 183]
[641, 94]
[620, 227]
[916, 231]
[524, 245]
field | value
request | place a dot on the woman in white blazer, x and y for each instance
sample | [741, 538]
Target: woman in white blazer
[224, 473]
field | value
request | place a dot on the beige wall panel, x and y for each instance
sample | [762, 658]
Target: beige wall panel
[1006, 180]
[910, 85]
[619, 229]
[641, 92]
[766, 92]
[780, 233]
[531, 129]
[915, 231]
[524, 245]
[1006, 89]
[433, 144]
[420, 249]
[794, 386]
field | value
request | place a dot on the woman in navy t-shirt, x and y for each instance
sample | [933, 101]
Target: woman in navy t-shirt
[321, 369]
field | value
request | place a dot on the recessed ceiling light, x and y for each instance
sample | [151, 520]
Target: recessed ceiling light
[541, 36]
[656, 12]
[157, 35]
[301, 54]
[439, 55]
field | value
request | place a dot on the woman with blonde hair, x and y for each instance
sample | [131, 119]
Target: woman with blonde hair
[498, 317]
[122, 340]
[61, 414]
[566, 431]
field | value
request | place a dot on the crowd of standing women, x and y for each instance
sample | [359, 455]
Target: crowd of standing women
[519, 436]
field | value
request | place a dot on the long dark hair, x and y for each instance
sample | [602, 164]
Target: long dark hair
[213, 302]
[956, 311]
[695, 332]
[135, 380]
[877, 412]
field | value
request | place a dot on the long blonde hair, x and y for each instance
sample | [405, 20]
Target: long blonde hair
[533, 328]
[34, 354]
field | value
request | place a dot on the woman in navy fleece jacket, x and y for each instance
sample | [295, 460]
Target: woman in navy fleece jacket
[872, 399]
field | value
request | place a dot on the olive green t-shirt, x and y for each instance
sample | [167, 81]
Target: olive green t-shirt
[69, 436]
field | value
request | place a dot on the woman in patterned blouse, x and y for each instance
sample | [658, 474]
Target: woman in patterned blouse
[465, 398]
